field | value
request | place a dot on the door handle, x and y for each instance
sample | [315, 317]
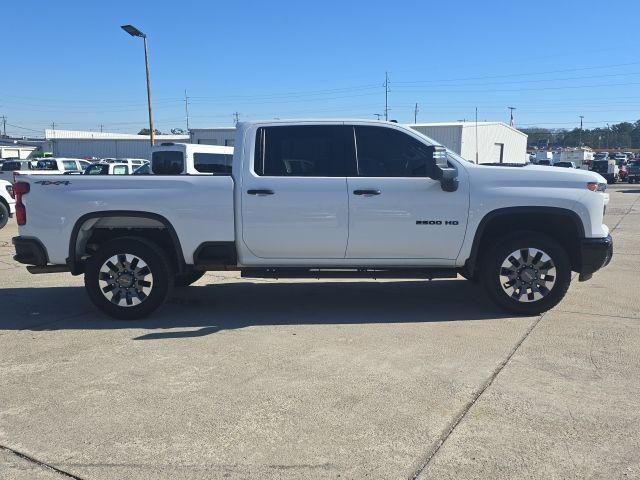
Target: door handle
[264, 191]
[366, 193]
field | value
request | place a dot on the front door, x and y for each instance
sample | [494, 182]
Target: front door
[294, 199]
[395, 210]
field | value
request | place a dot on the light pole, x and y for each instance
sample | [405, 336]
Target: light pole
[134, 32]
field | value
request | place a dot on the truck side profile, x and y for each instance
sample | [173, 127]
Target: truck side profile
[319, 199]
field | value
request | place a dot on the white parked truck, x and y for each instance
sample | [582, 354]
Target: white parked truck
[319, 199]
[7, 202]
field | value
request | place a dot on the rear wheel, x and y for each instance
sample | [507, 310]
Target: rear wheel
[526, 273]
[4, 215]
[128, 278]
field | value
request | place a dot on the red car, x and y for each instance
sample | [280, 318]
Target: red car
[624, 171]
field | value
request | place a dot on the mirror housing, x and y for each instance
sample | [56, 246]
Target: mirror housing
[441, 170]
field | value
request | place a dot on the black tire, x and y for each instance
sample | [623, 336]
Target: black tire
[524, 290]
[4, 215]
[148, 298]
[187, 278]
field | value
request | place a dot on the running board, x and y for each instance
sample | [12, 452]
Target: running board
[37, 269]
[287, 272]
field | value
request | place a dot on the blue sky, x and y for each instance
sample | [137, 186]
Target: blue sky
[552, 60]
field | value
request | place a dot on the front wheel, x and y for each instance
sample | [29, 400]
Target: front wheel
[128, 278]
[526, 272]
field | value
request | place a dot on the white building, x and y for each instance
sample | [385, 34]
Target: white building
[496, 142]
[80, 144]
[213, 136]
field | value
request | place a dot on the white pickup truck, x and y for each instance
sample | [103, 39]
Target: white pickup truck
[318, 199]
[7, 202]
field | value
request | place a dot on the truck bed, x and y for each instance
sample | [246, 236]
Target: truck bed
[198, 207]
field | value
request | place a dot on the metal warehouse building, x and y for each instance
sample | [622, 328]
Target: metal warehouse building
[78, 144]
[496, 142]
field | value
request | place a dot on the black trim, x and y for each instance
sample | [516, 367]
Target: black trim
[30, 251]
[595, 253]
[215, 254]
[471, 262]
[72, 261]
[348, 272]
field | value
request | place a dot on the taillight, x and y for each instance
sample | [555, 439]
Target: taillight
[20, 189]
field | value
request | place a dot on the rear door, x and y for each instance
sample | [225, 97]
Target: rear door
[395, 210]
[294, 196]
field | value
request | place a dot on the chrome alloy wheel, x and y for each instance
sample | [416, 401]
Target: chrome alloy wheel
[527, 275]
[125, 280]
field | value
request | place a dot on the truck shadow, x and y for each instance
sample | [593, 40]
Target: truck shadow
[207, 309]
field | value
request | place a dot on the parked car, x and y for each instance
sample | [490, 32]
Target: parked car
[302, 201]
[544, 162]
[133, 162]
[7, 202]
[607, 168]
[633, 172]
[623, 173]
[565, 164]
[143, 170]
[61, 165]
[109, 169]
[601, 156]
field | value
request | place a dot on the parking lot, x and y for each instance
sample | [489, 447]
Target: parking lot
[324, 379]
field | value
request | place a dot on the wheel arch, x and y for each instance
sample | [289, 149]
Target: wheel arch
[543, 219]
[127, 221]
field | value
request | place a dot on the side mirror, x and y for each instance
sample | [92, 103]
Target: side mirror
[441, 170]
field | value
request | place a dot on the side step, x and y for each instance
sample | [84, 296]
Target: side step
[37, 269]
[400, 272]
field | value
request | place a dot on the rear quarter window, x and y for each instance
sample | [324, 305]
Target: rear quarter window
[167, 162]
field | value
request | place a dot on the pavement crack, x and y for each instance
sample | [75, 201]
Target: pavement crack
[40, 463]
[448, 430]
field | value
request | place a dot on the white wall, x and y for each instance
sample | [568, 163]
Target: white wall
[490, 136]
[217, 136]
[448, 135]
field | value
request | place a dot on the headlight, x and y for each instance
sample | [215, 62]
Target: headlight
[10, 191]
[596, 186]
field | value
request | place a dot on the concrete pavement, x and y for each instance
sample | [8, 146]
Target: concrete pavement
[324, 379]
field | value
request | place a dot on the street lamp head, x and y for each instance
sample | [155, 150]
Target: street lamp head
[133, 31]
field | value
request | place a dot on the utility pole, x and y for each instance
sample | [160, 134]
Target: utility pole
[4, 126]
[512, 121]
[53, 125]
[186, 108]
[236, 116]
[386, 96]
[581, 117]
[378, 115]
[415, 114]
[101, 126]
[477, 136]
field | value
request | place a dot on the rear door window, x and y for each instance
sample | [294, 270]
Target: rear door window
[120, 170]
[305, 151]
[167, 162]
[217, 163]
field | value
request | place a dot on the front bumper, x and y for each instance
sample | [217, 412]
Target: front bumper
[30, 251]
[595, 253]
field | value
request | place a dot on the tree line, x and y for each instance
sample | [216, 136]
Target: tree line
[620, 135]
